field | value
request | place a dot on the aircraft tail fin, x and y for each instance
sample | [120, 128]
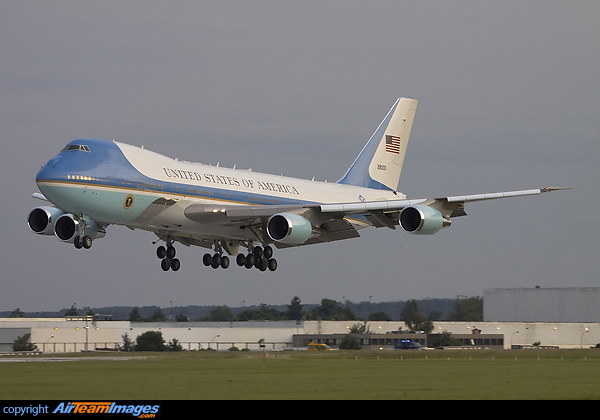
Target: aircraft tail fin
[379, 164]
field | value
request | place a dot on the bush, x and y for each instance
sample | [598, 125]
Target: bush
[350, 342]
[150, 341]
[22, 344]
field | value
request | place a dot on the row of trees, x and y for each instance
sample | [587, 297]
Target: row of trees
[469, 309]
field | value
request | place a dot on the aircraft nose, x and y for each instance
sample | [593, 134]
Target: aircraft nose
[55, 170]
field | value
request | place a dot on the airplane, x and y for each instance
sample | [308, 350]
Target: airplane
[91, 184]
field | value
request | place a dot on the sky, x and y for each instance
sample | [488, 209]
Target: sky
[508, 99]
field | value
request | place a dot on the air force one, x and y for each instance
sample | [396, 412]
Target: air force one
[92, 184]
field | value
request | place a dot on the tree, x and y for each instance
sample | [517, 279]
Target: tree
[16, 313]
[414, 318]
[219, 314]
[469, 309]
[350, 342]
[150, 341]
[330, 310]
[264, 313]
[181, 318]
[360, 328]
[295, 310]
[443, 339]
[134, 315]
[127, 343]
[174, 345]
[22, 343]
[157, 316]
[72, 311]
[379, 316]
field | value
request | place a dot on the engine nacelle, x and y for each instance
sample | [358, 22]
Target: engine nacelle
[66, 229]
[41, 220]
[422, 220]
[289, 228]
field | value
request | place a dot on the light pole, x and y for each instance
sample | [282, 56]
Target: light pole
[586, 330]
[213, 339]
[87, 328]
[512, 336]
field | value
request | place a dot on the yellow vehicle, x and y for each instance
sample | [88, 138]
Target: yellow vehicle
[318, 346]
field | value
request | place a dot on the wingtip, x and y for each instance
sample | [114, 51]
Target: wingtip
[550, 189]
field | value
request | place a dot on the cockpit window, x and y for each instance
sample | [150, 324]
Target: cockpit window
[72, 147]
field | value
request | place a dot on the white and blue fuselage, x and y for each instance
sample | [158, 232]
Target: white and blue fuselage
[115, 183]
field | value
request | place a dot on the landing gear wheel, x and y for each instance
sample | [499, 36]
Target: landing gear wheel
[272, 264]
[170, 252]
[77, 242]
[207, 259]
[175, 264]
[268, 252]
[225, 262]
[87, 242]
[216, 261]
[165, 264]
[258, 252]
[161, 252]
[250, 260]
[261, 264]
[241, 260]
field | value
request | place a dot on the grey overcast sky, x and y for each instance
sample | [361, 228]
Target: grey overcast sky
[509, 98]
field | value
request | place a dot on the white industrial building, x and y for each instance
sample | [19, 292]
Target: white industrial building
[568, 304]
[57, 335]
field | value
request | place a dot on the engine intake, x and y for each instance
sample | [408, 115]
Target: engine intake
[41, 220]
[422, 220]
[67, 228]
[289, 228]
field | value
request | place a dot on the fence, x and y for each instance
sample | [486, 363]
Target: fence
[74, 347]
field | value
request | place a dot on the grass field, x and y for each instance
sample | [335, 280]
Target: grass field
[441, 374]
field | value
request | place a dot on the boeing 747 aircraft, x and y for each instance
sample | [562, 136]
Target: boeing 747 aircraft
[92, 184]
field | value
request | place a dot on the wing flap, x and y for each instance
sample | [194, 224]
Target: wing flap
[235, 214]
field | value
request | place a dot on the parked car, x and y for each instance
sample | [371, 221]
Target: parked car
[407, 345]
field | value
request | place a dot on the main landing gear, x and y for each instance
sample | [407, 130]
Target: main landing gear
[261, 258]
[167, 255]
[257, 257]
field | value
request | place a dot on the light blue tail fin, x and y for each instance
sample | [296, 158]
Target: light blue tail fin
[379, 164]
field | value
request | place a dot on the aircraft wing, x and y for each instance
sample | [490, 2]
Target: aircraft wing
[383, 211]
[331, 218]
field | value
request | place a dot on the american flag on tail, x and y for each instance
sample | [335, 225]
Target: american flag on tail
[392, 144]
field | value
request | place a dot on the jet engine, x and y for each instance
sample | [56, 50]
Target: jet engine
[289, 228]
[422, 220]
[66, 228]
[41, 220]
